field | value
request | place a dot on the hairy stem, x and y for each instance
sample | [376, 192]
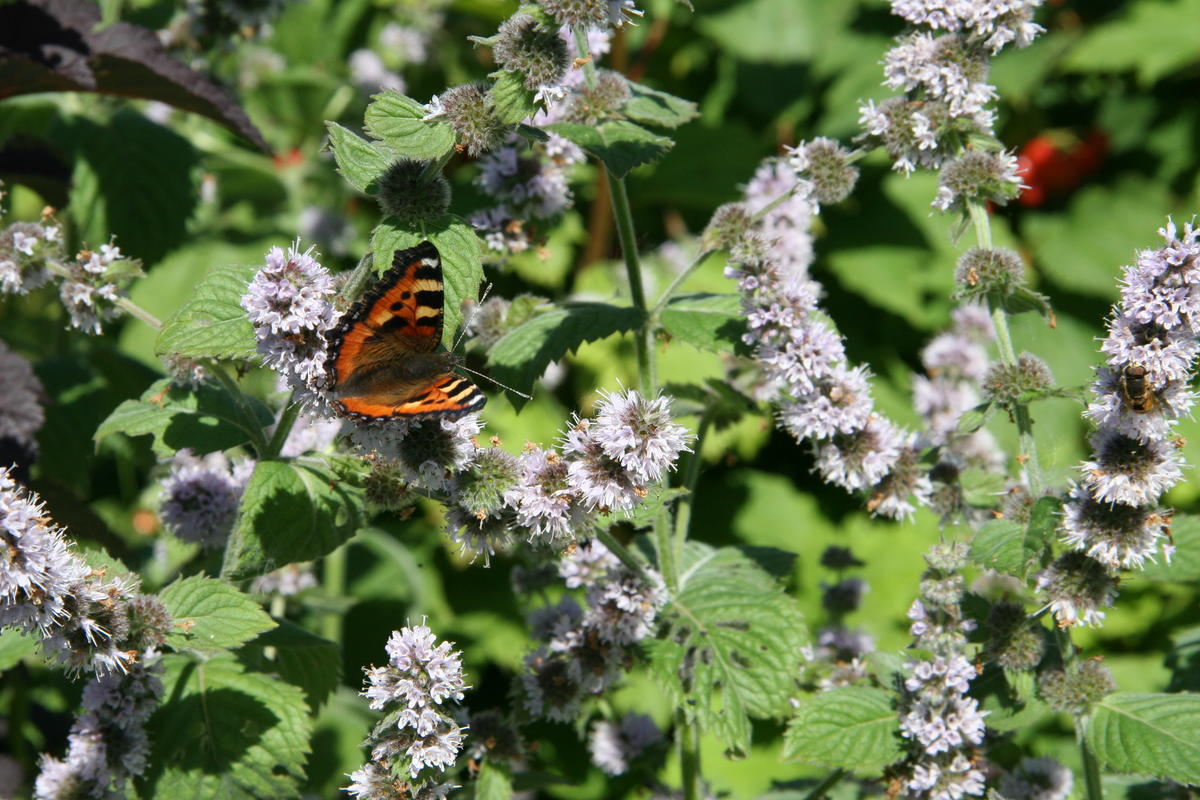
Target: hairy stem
[1008, 355]
[831, 780]
[333, 581]
[643, 341]
[286, 420]
[670, 291]
[1093, 790]
[585, 55]
[691, 474]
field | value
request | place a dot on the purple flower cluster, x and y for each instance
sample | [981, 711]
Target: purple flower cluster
[936, 714]
[820, 396]
[528, 182]
[108, 743]
[943, 73]
[47, 590]
[587, 649]
[419, 737]
[1112, 515]
[21, 416]
[290, 304]
[200, 497]
[1037, 779]
[614, 745]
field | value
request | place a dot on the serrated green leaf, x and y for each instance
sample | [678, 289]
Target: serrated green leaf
[621, 146]
[1153, 38]
[1025, 299]
[775, 31]
[360, 162]
[1044, 518]
[302, 659]
[980, 488]
[853, 728]
[207, 419]
[713, 322]
[522, 355]
[975, 418]
[514, 103]
[732, 646]
[1000, 545]
[493, 782]
[1148, 734]
[291, 511]
[462, 259]
[225, 733]
[211, 615]
[652, 107]
[1185, 561]
[212, 323]
[396, 121]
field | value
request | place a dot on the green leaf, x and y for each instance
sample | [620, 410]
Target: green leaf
[212, 322]
[621, 146]
[1153, 38]
[211, 615]
[1000, 545]
[291, 511]
[522, 355]
[732, 645]
[975, 418]
[225, 733]
[1185, 562]
[147, 207]
[1044, 518]
[206, 419]
[302, 659]
[981, 488]
[514, 102]
[15, 645]
[493, 782]
[396, 120]
[652, 107]
[775, 31]
[360, 162]
[852, 728]
[1148, 734]
[712, 322]
[462, 259]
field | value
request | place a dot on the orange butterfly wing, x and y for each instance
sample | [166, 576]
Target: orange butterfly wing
[382, 360]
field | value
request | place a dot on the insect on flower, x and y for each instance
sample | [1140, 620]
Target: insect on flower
[1136, 389]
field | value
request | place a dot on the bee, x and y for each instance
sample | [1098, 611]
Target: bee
[1135, 386]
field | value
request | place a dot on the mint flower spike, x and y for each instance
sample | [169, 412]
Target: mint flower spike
[47, 590]
[996, 24]
[290, 304]
[21, 416]
[1112, 518]
[419, 686]
[200, 497]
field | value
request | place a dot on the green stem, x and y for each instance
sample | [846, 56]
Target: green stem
[257, 440]
[333, 581]
[134, 310]
[622, 553]
[286, 421]
[584, 53]
[643, 341]
[1093, 789]
[689, 759]
[691, 474]
[670, 291]
[831, 780]
[359, 277]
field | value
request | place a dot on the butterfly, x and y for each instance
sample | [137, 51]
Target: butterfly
[382, 357]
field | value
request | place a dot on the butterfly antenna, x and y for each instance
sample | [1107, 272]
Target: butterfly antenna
[493, 380]
[462, 334]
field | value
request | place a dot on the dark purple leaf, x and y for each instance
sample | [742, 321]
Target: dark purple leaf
[50, 45]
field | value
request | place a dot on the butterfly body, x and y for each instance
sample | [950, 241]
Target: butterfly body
[383, 359]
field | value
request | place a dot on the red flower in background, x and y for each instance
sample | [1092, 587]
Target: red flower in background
[1047, 169]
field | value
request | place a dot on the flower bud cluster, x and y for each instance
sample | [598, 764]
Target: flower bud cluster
[21, 414]
[472, 114]
[418, 739]
[837, 658]
[1112, 517]
[528, 182]
[614, 746]
[1036, 779]
[107, 744]
[92, 281]
[85, 622]
[523, 45]
[587, 649]
[942, 68]
[200, 497]
[944, 724]
[820, 396]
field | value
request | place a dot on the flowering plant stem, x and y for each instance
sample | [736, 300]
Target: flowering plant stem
[1091, 769]
[1008, 355]
[286, 420]
[257, 440]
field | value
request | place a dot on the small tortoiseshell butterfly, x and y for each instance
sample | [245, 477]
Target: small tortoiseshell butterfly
[382, 360]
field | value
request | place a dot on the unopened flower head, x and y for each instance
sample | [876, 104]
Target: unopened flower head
[21, 414]
[1079, 588]
[471, 111]
[827, 166]
[987, 272]
[976, 177]
[589, 105]
[536, 53]
[1076, 688]
[412, 191]
[290, 304]
[918, 133]
[1006, 384]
